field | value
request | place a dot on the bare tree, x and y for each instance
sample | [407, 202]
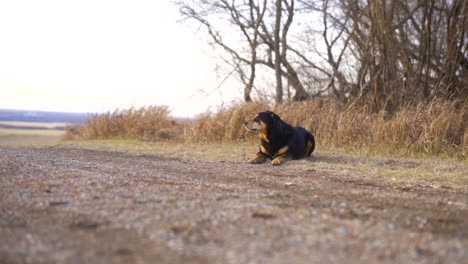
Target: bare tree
[256, 14]
[402, 51]
[263, 36]
[384, 53]
[276, 47]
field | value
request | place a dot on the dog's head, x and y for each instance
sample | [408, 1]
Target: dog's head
[263, 121]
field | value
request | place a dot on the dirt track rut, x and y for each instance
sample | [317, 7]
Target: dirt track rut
[61, 205]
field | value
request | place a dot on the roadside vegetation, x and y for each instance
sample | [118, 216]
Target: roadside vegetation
[438, 128]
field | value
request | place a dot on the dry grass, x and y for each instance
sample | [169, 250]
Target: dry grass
[439, 127]
[224, 125]
[147, 123]
[213, 151]
[436, 128]
[30, 137]
[434, 171]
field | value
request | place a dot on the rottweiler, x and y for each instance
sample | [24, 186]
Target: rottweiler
[279, 141]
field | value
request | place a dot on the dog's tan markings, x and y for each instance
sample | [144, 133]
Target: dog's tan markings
[279, 160]
[258, 159]
[263, 150]
[281, 156]
[307, 148]
[282, 151]
[255, 125]
[263, 135]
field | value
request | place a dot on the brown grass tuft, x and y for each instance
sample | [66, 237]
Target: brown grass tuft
[147, 123]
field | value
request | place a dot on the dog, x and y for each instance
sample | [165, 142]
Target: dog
[279, 141]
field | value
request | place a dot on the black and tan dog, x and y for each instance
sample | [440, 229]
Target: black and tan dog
[279, 140]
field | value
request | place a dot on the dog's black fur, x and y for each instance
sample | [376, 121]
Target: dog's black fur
[279, 140]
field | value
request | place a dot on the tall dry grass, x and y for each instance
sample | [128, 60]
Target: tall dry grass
[146, 123]
[226, 124]
[439, 127]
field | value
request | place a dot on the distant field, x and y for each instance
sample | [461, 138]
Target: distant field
[30, 133]
[32, 125]
[41, 116]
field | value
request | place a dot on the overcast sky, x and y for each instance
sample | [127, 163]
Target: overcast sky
[99, 55]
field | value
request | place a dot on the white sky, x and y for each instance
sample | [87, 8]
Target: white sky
[99, 55]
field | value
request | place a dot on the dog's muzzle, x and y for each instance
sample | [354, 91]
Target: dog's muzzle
[249, 126]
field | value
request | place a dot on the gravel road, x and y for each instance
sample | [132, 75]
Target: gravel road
[60, 205]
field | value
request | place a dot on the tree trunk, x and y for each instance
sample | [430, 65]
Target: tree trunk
[279, 84]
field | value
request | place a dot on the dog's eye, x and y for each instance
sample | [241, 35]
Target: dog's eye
[256, 119]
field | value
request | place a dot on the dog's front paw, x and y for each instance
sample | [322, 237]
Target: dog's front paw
[257, 159]
[278, 161]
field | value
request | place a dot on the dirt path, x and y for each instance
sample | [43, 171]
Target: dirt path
[82, 206]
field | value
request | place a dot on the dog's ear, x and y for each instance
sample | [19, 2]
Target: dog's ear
[277, 122]
[272, 114]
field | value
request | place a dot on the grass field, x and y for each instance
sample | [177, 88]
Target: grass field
[37, 136]
[35, 125]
